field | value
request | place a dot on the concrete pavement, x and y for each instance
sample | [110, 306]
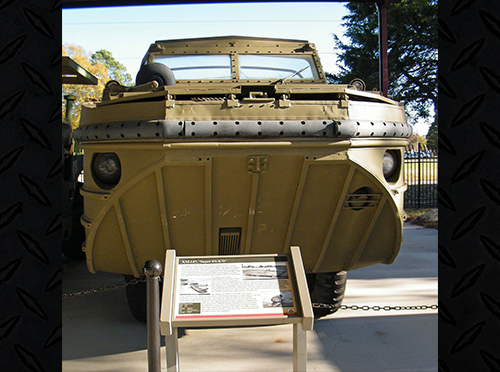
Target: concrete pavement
[99, 334]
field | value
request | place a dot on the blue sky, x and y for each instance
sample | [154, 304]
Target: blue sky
[128, 31]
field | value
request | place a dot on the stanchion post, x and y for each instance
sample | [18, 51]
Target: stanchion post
[299, 348]
[153, 270]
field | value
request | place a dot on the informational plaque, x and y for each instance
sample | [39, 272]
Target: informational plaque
[234, 287]
[235, 290]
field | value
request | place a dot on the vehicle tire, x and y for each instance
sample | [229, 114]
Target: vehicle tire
[155, 71]
[72, 246]
[137, 298]
[327, 288]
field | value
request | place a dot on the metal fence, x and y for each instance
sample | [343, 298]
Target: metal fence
[421, 175]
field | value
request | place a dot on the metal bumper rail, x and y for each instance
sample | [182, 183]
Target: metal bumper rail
[250, 129]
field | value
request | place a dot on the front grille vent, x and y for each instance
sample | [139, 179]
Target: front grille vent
[361, 199]
[229, 240]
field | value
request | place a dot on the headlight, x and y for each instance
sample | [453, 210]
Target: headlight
[389, 164]
[107, 168]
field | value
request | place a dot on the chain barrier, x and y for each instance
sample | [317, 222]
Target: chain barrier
[314, 305]
[103, 289]
[374, 308]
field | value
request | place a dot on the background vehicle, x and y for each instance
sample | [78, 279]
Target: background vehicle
[240, 146]
[72, 165]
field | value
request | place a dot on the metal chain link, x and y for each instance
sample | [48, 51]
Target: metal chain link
[103, 289]
[314, 305]
[374, 308]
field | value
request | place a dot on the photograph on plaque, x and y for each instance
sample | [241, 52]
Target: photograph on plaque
[265, 271]
[227, 286]
[274, 298]
[199, 286]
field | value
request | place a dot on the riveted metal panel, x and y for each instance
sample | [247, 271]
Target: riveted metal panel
[365, 128]
[126, 130]
[259, 128]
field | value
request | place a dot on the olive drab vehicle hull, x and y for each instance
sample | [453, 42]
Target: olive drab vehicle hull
[250, 156]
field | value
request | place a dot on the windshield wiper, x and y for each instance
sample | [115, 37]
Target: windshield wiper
[291, 76]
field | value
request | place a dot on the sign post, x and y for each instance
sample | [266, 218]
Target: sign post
[236, 290]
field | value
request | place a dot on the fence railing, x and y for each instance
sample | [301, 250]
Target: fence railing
[421, 175]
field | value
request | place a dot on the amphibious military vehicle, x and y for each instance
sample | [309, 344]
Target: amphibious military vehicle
[238, 145]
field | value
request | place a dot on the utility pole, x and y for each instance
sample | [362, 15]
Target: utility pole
[382, 6]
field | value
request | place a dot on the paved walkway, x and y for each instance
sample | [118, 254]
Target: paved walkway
[99, 334]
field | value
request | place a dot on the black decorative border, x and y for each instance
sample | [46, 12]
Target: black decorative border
[469, 195]
[30, 174]
[30, 226]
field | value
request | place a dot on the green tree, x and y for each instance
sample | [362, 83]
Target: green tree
[116, 70]
[412, 53]
[432, 135]
[417, 139]
[102, 65]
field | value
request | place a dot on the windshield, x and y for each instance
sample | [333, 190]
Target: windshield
[218, 67]
[204, 67]
[276, 67]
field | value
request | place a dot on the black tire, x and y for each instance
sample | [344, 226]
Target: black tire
[137, 298]
[72, 247]
[327, 288]
[155, 71]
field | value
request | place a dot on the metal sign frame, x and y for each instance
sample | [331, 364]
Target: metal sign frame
[302, 320]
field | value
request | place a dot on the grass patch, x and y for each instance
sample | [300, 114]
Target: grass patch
[420, 217]
[412, 213]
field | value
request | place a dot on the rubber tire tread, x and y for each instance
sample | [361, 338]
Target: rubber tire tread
[155, 71]
[72, 247]
[328, 288]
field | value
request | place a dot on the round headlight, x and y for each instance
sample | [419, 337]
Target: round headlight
[107, 168]
[389, 164]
